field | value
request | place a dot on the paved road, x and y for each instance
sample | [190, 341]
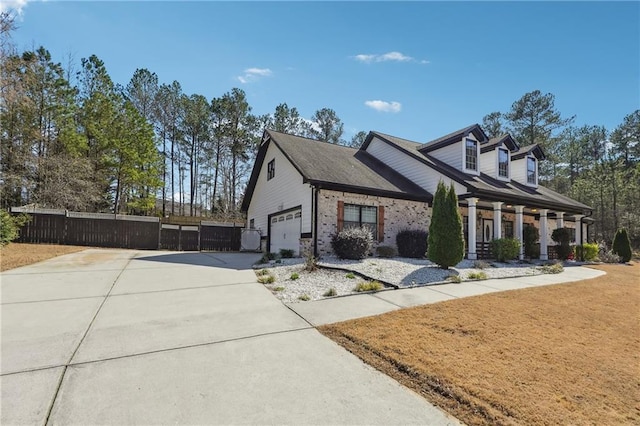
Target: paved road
[128, 337]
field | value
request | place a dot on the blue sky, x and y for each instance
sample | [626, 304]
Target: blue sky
[428, 67]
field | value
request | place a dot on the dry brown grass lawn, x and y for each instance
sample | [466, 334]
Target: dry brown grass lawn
[562, 354]
[15, 255]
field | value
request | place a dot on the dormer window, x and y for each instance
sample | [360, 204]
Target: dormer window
[503, 163]
[471, 155]
[532, 171]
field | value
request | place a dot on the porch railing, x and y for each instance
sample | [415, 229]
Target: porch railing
[483, 250]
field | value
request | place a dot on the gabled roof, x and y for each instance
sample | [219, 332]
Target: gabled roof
[534, 149]
[445, 140]
[507, 140]
[484, 186]
[337, 167]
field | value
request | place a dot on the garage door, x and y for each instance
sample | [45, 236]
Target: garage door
[285, 232]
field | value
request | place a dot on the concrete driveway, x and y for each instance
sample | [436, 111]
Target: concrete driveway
[132, 337]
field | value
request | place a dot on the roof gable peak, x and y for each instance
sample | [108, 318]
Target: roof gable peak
[454, 137]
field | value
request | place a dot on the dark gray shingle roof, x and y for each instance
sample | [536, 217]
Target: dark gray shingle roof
[454, 136]
[503, 139]
[487, 187]
[321, 162]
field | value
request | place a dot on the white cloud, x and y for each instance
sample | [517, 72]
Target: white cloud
[13, 5]
[387, 57]
[384, 106]
[313, 124]
[253, 74]
[394, 56]
[365, 58]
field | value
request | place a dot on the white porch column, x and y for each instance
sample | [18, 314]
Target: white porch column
[559, 220]
[497, 219]
[519, 227]
[471, 223]
[543, 234]
[578, 218]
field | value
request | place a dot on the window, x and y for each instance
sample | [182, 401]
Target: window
[271, 169]
[503, 163]
[507, 227]
[361, 216]
[471, 155]
[531, 171]
[572, 233]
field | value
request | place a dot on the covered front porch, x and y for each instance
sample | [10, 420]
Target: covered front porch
[485, 220]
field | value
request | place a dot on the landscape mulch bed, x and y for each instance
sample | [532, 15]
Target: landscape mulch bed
[14, 255]
[560, 354]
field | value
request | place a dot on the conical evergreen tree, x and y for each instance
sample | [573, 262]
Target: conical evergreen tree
[456, 239]
[622, 245]
[446, 244]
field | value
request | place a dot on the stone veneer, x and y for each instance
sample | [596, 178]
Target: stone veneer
[398, 215]
[306, 246]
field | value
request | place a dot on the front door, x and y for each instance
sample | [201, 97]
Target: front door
[487, 230]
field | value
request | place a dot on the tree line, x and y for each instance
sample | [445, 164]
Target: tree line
[75, 139]
[72, 138]
[597, 166]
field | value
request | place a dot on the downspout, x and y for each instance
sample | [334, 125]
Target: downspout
[315, 221]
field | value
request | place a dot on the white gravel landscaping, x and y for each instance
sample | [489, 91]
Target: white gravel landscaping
[402, 272]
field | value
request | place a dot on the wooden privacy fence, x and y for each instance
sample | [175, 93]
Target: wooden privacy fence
[124, 231]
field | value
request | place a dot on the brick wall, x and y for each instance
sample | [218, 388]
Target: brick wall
[398, 215]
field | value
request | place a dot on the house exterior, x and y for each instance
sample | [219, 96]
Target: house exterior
[303, 191]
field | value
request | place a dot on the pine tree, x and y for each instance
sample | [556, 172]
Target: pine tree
[622, 245]
[446, 243]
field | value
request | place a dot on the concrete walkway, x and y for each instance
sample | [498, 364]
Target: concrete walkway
[338, 309]
[128, 337]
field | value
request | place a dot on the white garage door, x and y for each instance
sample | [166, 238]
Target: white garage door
[285, 232]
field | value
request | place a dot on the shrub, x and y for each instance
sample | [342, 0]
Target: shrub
[385, 251]
[412, 243]
[608, 257]
[368, 286]
[622, 245]
[286, 253]
[504, 249]
[331, 292]
[562, 236]
[304, 297]
[480, 264]
[350, 275]
[267, 257]
[445, 245]
[10, 226]
[587, 251]
[266, 279]
[553, 268]
[477, 276]
[352, 243]
[279, 288]
[530, 237]
[294, 276]
[454, 278]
